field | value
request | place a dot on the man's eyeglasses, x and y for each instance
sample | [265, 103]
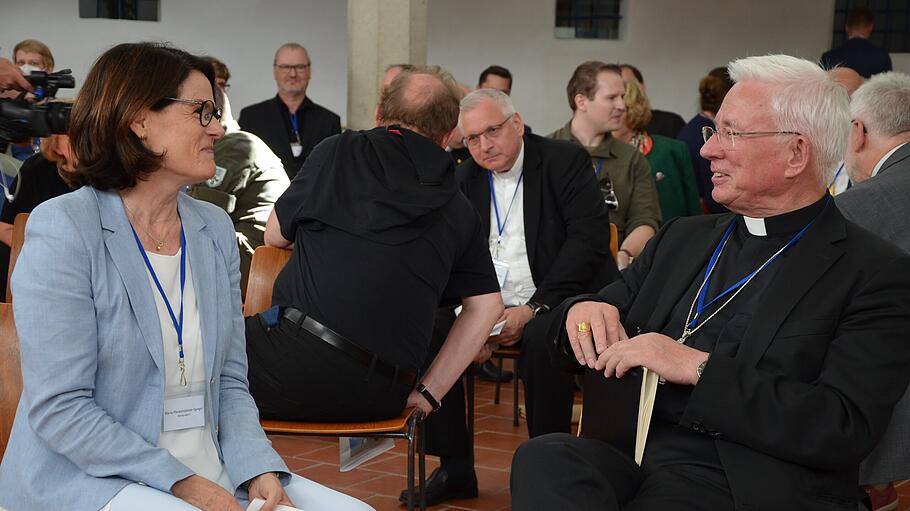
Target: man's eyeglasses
[726, 136]
[491, 133]
[207, 110]
[286, 68]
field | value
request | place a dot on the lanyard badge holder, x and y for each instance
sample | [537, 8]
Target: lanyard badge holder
[296, 146]
[501, 267]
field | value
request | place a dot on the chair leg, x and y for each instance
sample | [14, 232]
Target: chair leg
[411, 432]
[498, 382]
[422, 465]
[515, 397]
[469, 396]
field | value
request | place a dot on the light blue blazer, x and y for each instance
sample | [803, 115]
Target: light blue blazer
[92, 357]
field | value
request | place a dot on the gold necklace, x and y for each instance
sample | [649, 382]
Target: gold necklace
[159, 244]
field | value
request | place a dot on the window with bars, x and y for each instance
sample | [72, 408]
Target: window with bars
[588, 19]
[892, 23]
[142, 10]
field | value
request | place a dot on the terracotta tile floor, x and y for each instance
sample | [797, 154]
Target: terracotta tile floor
[380, 480]
[903, 493]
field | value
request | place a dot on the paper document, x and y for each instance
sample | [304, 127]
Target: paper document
[649, 384]
[256, 505]
[497, 328]
[355, 451]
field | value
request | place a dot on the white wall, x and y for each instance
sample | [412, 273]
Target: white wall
[242, 33]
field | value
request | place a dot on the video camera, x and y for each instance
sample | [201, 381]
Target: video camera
[21, 119]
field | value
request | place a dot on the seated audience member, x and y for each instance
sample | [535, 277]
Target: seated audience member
[290, 123]
[39, 180]
[548, 231]
[667, 124]
[858, 52]
[878, 161]
[595, 92]
[105, 273]
[248, 180]
[381, 238]
[31, 55]
[776, 387]
[668, 157]
[711, 92]
[496, 77]
[849, 80]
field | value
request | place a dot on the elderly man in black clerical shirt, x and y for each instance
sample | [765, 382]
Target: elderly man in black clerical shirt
[381, 237]
[779, 329]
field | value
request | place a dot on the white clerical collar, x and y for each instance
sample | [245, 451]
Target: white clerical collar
[515, 171]
[755, 226]
[878, 166]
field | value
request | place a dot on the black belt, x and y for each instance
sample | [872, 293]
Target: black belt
[339, 342]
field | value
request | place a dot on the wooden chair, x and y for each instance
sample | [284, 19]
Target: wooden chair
[10, 373]
[267, 262]
[14, 249]
[511, 352]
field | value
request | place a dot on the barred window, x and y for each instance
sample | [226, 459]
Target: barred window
[892, 23]
[142, 10]
[588, 19]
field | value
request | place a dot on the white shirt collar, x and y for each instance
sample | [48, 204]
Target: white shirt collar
[755, 226]
[878, 166]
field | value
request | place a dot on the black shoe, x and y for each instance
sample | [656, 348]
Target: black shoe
[440, 488]
[488, 371]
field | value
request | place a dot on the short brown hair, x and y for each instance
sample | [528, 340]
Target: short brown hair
[638, 108]
[431, 110]
[220, 68]
[713, 88]
[36, 46]
[123, 82]
[860, 16]
[495, 71]
[584, 79]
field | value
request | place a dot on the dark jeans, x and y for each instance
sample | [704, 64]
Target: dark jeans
[297, 376]
[560, 471]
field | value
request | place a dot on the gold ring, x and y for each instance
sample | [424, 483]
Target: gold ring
[584, 327]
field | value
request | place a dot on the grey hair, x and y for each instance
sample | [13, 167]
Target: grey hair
[290, 46]
[473, 100]
[883, 104]
[805, 99]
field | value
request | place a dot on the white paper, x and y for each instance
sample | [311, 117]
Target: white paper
[502, 271]
[497, 328]
[256, 505]
[184, 412]
[355, 451]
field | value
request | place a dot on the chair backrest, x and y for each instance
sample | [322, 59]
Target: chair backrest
[10, 373]
[267, 262]
[14, 249]
[614, 240]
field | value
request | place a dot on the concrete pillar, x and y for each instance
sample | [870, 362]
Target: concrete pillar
[380, 33]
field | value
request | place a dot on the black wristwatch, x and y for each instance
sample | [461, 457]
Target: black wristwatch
[425, 392]
[538, 308]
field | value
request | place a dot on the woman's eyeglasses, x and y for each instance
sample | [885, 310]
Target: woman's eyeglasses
[207, 110]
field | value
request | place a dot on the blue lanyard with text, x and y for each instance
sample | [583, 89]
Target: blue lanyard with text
[703, 291]
[501, 225]
[178, 323]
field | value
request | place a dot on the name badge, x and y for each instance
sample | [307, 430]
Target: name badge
[502, 270]
[184, 412]
[296, 149]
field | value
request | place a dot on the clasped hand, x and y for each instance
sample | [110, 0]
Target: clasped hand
[606, 346]
[208, 496]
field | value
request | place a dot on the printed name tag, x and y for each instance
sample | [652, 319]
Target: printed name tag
[184, 412]
[502, 270]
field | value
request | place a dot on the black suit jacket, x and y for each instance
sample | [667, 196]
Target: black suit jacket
[819, 368]
[567, 227]
[268, 120]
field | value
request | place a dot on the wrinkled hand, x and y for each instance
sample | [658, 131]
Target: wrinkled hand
[11, 77]
[622, 260]
[204, 494]
[486, 351]
[416, 400]
[606, 330]
[516, 319]
[268, 487]
[676, 363]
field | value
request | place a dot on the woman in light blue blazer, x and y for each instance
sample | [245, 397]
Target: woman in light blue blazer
[127, 304]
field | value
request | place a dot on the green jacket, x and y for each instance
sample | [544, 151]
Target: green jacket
[671, 166]
[633, 184]
[248, 180]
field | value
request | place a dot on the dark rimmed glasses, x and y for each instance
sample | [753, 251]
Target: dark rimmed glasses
[490, 133]
[207, 109]
[726, 136]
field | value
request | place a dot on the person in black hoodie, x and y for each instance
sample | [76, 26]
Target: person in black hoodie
[381, 238]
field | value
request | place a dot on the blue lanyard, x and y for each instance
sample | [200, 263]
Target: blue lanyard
[178, 323]
[703, 293]
[293, 118]
[600, 163]
[500, 226]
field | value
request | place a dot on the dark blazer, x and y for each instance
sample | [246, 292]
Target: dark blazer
[820, 365]
[268, 121]
[859, 54]
[667, 124]
[567, 227]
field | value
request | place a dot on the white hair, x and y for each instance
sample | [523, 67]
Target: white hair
[475, 98]
[883, 104]
[805, 99]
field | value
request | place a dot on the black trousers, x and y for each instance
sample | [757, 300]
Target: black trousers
[548, 392]
[296, 376]
[560, 471]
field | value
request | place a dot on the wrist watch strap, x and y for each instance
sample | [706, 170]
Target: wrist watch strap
[425, 392]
